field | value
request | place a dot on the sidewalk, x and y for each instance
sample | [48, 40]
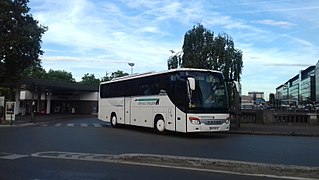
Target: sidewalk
[257, 129]
[41, 119]
[283, 130]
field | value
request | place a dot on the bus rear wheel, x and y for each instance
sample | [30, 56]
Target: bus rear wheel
[114, 121]
[159, 125]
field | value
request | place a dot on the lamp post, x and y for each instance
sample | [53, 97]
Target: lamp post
[131, 64]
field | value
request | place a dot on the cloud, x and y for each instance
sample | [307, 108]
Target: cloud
[288, 64]
[150, 30]
[91, 36]
[286, 9]
[281, 24]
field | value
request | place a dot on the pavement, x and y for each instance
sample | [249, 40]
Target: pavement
[255, 129]
[21, 121]
[281, 130]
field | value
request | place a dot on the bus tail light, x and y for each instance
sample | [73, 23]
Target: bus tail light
[194, 120]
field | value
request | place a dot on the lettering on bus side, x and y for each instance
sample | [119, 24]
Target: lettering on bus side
[148, 101]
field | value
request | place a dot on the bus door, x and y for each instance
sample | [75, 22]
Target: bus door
[180, 121]
[127, 110]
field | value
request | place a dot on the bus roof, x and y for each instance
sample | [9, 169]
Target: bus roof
[147, 74]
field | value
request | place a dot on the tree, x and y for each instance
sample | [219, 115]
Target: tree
[118, 73]
[105, 78]
[20, 40]
[272, 98]
[60, 75]
[197, 48]
[90, 79]
[174, 61]
[35, 71]
[202, 50]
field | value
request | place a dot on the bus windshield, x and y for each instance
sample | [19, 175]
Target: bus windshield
[210, 93]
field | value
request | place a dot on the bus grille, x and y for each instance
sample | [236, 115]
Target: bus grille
[213, 122]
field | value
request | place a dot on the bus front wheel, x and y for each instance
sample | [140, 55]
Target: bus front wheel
[160, 125]
[114, 121]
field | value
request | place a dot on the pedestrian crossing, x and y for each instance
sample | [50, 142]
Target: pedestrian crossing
[72, 125]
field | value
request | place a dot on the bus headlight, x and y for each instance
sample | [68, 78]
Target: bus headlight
[194, 120]
[227, 120]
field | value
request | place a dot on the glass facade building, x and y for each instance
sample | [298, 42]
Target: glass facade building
[302, 87]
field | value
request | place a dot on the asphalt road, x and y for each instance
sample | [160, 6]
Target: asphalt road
[93, 136]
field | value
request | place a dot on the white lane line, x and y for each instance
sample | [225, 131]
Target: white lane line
[84, 125]
[97, 125]
[58, 125]
[70, 125]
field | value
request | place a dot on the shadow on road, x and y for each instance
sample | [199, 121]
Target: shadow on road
[150, 131]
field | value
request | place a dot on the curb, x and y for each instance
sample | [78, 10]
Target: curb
[274, 133]
[242, 168]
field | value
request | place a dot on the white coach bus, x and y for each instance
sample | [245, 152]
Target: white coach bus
[182, 100]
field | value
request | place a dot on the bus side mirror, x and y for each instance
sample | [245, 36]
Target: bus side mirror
[191, 83]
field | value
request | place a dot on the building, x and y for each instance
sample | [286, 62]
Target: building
[302, 87]
[258, 97]
[55, 97]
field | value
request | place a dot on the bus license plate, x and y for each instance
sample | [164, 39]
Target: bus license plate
[213, 128]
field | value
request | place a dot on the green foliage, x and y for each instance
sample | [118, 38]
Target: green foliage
[35, 72]
[20, 40]
[90, 79]
[174, 62]
[202, 50]
[113, 75]
[272, 98]
[105, 78]
[60, 75]
[197, 47]
[118, 73]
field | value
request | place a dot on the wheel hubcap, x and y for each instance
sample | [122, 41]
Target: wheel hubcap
[160, 125]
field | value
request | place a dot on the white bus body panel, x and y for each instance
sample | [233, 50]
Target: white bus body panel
[145, 108]
[107, 106]
[142, 110]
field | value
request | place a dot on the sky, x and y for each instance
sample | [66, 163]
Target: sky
[278, 38]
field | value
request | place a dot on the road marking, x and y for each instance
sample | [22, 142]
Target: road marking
[58, 125]
[70, 125]
[97, 125]
[10, 156]
[84, 125]
[189, 163]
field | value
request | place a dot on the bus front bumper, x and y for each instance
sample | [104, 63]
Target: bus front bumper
[212, 128]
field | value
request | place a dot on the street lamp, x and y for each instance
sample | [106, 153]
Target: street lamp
[131, 64]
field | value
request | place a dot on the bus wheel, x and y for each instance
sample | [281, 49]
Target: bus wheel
[114, 121]
[160, 125]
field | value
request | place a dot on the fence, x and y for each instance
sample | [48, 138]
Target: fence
[280, 118]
